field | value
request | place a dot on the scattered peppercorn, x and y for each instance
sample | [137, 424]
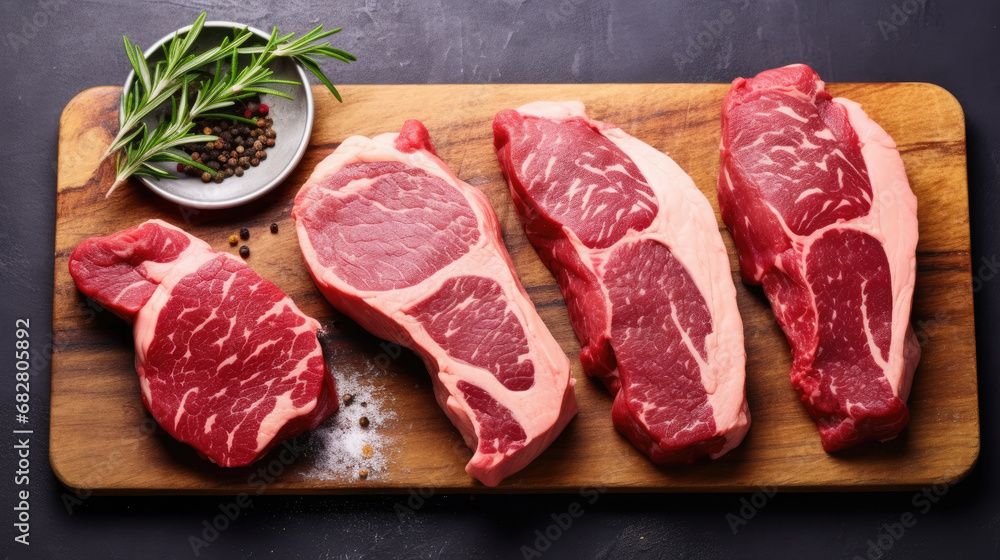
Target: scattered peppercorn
[363, 421]
[234, 239]
[244, 233]
[367, 451]
[274, 227]
[348, 398]
[363, 474]
[244, 251]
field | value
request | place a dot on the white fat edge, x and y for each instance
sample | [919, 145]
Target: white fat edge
[686, 224]
[890, 184]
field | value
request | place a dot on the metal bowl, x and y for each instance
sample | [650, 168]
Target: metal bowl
[293, 122]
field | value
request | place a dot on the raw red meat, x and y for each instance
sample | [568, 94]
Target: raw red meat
[636, 251]
[226, 362]
[414, 255]
[817, 199]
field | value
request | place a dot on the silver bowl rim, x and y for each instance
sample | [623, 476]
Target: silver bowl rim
[264, 188]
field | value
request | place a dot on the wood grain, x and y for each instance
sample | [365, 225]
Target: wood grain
[100, 437]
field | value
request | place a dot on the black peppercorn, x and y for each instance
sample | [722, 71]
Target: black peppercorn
[363, 421]
[244, 251]
[244, 233]
[274, 228]
[206, 177]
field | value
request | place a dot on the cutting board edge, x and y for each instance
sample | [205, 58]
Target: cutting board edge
[948, 479]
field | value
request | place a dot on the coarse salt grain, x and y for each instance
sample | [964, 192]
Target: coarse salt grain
[340, 447]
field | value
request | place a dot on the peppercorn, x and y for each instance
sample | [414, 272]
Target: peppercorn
[206, 130]
[348, 398]
[367, 451]
[195, 156]
[261, 123]
[219, 177]
[231, 162]
[228, 172]
[224, 125]
[218, 144]
[240, 149]
[244, 233]
[270, 133]
[269, 121]
[221, 158]
[206, 177]
[261, 155]
[262, 138]
[363, 421]
[258, 146]
[270, 142]
[363, 474]
[256, 132]
[238, 172]
[244, 251]
[216, 131]
[234, 239]
[238, 140]
[255, 162]
[274, 228]
[213, 165]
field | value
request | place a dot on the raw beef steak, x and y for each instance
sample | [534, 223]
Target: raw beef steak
[818, 202]
[226, 362]
[414, 255]
[636, 250]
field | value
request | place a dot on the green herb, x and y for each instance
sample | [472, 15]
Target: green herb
[193, 93]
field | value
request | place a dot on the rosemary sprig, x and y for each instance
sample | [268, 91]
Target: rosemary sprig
[152, 89]
[178, 75]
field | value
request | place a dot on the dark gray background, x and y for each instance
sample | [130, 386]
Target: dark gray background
[76, 44]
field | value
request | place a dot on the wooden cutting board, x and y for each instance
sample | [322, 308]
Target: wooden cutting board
[103, 441]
